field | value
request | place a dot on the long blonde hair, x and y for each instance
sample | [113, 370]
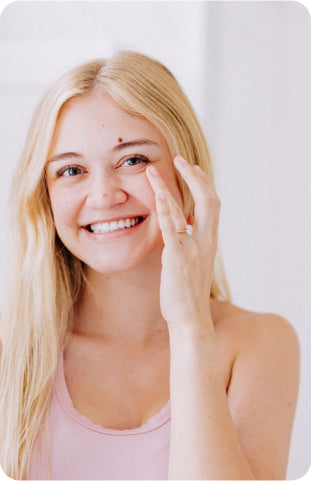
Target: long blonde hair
[44, 280]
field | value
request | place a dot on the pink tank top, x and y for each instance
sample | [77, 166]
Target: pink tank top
[80, 449]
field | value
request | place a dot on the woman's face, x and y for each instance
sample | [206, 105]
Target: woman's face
[97, 183]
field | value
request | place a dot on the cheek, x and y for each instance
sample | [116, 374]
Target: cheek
[143, 192]
[63, 208]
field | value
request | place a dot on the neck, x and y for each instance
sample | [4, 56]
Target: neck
[123, 307]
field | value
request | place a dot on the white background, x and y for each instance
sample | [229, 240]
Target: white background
[246, 68]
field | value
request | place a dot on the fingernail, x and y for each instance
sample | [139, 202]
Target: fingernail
[181, 161]
[162, 195]
[153, 170]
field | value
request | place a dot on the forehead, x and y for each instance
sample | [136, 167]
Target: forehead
[100, 113]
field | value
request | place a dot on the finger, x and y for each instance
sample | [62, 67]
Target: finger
[191, 219]
[166, 222]
[207, 203]
[157, 183]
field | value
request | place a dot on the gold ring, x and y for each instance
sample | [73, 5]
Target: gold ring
[188, 230]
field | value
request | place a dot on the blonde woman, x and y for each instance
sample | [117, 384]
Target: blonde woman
[123, 356]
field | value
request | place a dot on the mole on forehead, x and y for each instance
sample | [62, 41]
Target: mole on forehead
[119, 138]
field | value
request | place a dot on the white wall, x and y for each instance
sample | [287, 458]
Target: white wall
[259, 77]
[246, 68]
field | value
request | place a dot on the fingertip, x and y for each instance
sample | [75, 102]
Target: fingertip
[152, 170]
[151, 178]
[147, 171]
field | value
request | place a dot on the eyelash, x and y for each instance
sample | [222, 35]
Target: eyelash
[61, 172]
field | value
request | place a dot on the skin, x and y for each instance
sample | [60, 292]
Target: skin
[145, 326]
[105, 191]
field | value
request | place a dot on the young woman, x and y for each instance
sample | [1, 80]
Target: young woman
[123, 356]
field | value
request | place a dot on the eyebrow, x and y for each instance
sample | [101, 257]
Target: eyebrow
[133, 143]
[116, 148]
[65, 155]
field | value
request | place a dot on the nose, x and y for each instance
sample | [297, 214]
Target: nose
[105, 192]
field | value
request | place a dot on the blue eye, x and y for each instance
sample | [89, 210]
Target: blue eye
[69, 171]
[135, 160]
[74, 170]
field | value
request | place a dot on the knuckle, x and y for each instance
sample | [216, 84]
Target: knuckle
[212, 200]
[211, 246]
[194, 253]
[211, 195]
[206, 178]
[180, 261]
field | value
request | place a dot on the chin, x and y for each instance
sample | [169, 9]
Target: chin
[125, 263]
[107, 268]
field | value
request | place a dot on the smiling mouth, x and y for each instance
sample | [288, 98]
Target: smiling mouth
[114, 226]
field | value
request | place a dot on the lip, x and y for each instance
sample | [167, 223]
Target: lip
[112, 219]
[113, 235]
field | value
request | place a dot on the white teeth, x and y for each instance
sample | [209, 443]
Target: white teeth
[105, 227]
[121, 224]
[113, 226]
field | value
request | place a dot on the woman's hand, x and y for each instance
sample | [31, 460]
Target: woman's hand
[187, 261]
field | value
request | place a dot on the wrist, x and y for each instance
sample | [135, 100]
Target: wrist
[198, 327]
[194, 350]
[185, 335]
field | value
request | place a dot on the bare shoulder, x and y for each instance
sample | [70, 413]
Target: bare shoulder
[263, 388]
[245, 329]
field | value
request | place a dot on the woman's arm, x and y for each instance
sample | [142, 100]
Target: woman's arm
[247, 434]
